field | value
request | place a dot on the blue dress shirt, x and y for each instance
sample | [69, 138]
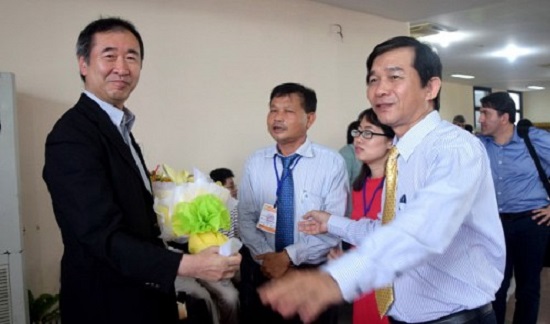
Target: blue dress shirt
[517, 183]
[444, 252]
[320, 183]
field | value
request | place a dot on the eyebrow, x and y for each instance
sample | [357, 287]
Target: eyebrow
[394, 69]
[111, 48]
[389, 69]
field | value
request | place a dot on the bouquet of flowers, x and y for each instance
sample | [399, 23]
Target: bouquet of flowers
[191, 206]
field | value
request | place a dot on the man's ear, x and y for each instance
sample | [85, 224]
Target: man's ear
[310, 119]
[432, 88]
[82, 66]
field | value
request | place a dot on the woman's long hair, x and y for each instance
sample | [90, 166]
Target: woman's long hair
[371, 117]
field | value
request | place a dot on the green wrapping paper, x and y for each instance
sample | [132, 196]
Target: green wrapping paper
[205, 213]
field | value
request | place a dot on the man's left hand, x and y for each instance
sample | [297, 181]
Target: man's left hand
[542, 216]
[274, 264]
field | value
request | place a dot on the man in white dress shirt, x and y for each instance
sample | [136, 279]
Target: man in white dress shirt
[444, 251]
[320, 182]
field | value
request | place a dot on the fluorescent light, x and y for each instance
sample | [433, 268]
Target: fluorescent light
[463, 76]
[443, 38]
[512, 52]
[535, 88]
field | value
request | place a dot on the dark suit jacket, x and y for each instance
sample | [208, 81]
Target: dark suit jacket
[114, 267]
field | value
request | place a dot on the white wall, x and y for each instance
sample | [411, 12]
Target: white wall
[457, 99]
[202, 100]
[536, 106]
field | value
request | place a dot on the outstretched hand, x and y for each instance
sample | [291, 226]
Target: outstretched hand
[315, 222]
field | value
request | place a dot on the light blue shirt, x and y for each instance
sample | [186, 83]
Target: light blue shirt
[517, 183]
[123, 119]
[320, 183]
[444, 252]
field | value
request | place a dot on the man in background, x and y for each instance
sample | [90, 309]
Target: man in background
[227, 179]
[348, 153]
[522, 200]
[270, 207]
[459, 121]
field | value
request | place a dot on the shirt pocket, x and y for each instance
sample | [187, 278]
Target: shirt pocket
[311, 201]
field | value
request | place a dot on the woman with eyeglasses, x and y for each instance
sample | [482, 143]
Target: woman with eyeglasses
[372, 142]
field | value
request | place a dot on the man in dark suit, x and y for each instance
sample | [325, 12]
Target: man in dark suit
[114, 269]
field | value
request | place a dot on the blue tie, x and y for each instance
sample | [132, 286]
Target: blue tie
[284, 234]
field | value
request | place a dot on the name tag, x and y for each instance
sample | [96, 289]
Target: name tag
[268, 219]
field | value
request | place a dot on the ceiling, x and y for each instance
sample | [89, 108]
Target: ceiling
[490, 25]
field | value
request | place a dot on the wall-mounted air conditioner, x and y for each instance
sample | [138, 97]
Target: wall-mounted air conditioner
[13, 308]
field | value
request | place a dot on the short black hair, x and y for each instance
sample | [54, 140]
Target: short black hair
[309, 99]
[502, 103]
[221, 175]
[459, 119]
[426, 61]
[353, 125]
[85, 40]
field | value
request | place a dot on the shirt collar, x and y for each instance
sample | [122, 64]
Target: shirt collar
[515, 138]
[305, 150]
[118, 117]
[412, 138]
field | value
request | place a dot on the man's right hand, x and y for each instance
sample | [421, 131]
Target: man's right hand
[315, 222]
[209, 265]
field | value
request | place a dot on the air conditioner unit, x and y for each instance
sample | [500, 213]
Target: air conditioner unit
[13, 309]
[427, 29]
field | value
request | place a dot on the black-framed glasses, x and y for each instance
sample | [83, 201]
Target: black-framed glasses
[366, 134]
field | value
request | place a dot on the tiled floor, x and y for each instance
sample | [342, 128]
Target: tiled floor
[544, 312]
[544, 309]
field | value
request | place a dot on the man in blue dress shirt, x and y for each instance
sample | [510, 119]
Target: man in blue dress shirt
[444, 251]
[522, 203]
[320, 181]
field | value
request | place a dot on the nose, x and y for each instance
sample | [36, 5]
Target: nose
[278, 116]
[381, 87]
[121, 66]
[377, 90]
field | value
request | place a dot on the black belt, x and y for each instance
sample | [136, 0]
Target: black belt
[514, 216]
[457, 318]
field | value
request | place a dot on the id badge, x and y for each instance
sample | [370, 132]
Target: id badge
[268, 219]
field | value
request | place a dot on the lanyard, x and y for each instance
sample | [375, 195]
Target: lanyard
[283, 177]
[366, 208]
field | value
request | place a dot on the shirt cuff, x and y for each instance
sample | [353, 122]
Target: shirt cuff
[337, 225]
[340, 272]
[291, 251]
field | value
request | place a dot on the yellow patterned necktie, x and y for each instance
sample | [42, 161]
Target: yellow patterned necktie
[384, 296]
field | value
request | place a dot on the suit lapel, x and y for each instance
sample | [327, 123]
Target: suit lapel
[141, 159]
[91, 110]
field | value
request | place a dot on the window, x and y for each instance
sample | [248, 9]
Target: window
[518, 100]
[479, 93]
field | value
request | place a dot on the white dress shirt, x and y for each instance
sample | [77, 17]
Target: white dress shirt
[444, 252]
[320, 183]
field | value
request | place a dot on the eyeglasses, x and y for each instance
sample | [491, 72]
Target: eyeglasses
[366, 134]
